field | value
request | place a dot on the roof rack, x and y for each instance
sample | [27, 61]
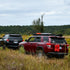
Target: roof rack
[47, 34]
[44, 34]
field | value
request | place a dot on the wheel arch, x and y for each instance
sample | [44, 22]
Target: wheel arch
[40, 48]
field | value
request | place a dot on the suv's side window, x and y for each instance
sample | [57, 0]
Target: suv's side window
[35, 39]
[45, 39]
[32, 39]
[38, 39]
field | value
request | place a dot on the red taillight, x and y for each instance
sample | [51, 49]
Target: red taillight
[48, 45]
[67, 45]
[22, 40]
[7, 40]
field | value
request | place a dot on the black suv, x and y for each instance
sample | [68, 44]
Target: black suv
[11, 40]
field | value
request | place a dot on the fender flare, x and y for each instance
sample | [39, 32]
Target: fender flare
[40, 47]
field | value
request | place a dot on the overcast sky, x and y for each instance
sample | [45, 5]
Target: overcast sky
[23, 12]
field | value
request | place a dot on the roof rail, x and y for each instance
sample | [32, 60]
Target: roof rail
[47, 34]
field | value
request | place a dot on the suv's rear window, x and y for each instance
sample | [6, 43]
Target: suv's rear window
[58, 40]
[15, 35]
[18, 37]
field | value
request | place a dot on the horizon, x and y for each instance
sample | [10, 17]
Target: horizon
[32, 25]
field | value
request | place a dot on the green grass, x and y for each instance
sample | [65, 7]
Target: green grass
[13, 60]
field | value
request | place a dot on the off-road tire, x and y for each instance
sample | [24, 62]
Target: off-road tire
[40, 53]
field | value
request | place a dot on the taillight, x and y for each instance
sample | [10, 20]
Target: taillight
[67, 45]
[22, 40]
[7, 40]
[49, 45]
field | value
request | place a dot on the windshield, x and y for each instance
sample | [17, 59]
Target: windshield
[58, 40]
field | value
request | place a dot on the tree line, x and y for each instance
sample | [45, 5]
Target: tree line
[65, 29]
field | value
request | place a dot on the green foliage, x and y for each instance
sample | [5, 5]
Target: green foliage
[1, 48]
[65, 30]
[42, 27]
[26, 30]
[21, 49]
[38, 26]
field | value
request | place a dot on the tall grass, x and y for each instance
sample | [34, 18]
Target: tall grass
[13, 60]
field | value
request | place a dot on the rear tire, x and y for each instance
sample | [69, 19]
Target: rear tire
[60, 56]
[39, 53]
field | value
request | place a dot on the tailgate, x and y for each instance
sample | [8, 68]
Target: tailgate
[60, 48]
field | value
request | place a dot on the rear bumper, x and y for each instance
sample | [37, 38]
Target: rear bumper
[57, 53]
[12, 45]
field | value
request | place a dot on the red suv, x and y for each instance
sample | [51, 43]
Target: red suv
[46, 43]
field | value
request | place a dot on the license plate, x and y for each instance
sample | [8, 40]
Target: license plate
[15, 41]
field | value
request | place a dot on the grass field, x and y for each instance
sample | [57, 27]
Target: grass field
[14, 60]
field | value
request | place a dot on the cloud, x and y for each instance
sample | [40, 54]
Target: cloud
[23, 12]
[67, 2]
[52, 13]
[11, 6]
[54, 2]
[6, 15]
